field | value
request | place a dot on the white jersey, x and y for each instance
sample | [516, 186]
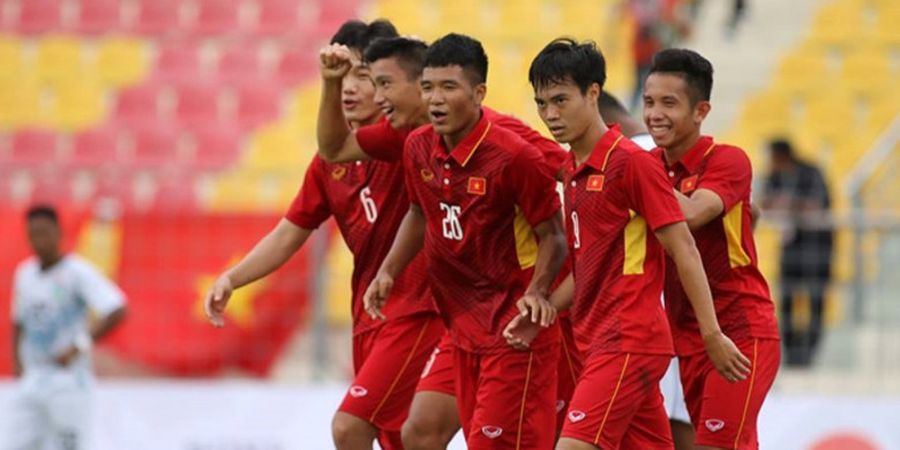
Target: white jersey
[51, 307]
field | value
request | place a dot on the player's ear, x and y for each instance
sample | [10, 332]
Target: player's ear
[701, 110]
[593, 92]
[480, 92]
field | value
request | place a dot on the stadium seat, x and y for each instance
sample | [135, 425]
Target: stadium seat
[98, 16]
[154, 147]
[96, 148]
[13, 67]
[867, 71]
[215, 18]
[278, 17]
[296, 64]
[886, 29]
[33, 147]
[767, 113]
[157, 18]
[37, 16]
[59, 60]
[20, 105]
[178, 62]
[803, 72]
[197, 105]
[276, 147]
[138, 106]
[121, 61]
[215, 148]
[257, 104]
[76, 107]
[240, 65]
[837, 24]
[333, 13]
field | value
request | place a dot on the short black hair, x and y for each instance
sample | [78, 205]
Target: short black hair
[781, 146]
[696, 70]
[410, 53]
[459, 50]
[566, 59]
[42, 212]
[357, 34]
[609, 103]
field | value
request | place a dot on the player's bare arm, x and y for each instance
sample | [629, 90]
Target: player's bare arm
[679, 244]
[536, 310]
[269, 254]
[407, 244]
[701, 207]
[99, 329]
[336, 140]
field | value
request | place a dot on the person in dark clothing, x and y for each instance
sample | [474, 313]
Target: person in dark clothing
[796, 191]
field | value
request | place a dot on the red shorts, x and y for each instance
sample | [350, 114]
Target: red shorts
[617, 403]
[506, 400]
[387, 362]
[726, 413]
[570, 366]
[439, 374]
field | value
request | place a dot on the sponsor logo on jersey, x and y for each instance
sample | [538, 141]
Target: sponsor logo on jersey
[560, 404]
[576, 416]
[358, 391]
[491, 431]
[714, 425]
[338, 172]
[427, 175]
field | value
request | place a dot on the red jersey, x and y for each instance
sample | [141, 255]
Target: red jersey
[740, 293]
[614, 202]
[368, 201]
[480, 200]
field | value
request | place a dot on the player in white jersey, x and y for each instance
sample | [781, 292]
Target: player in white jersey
[673, 393]
[53, 296]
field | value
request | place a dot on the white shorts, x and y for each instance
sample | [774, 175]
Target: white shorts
[673, 394]
[52, 409]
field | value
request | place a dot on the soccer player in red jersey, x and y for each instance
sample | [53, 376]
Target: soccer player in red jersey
[367, 200]
[485, 213]
[621, 217]
[712, 182]
[396, 67]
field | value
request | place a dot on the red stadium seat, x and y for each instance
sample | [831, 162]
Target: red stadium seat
[154, 148]
[333, 13]
[32, 148]
[157, 17]
[278, 17]
[178, 62]
[215, 148]
[240, 65]
[37, 16]
[215, 17]
[138, 106]
[297, 65]
[198, 105]
[257, 104]
[98, 16]
[96, 148]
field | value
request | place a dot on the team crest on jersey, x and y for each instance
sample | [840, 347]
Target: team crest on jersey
[477, 186]
[595, 183]
[688, 184]
[338, 172]
[714, 425]
[427, 175]
[358, 391]
[491, 431]
[576, 416]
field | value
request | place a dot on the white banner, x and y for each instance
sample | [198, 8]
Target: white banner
[216, 415]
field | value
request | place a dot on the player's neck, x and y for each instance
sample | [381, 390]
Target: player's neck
[584, 145]
[679, 149]
[421, 118]
[48, 261]
[631, 127]
[453, 139]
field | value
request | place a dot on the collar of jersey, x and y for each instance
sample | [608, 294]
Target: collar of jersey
[600, 154]
[691, 160]
[463, 151]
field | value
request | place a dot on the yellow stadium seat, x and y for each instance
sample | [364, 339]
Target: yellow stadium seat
[59, 60]
[804, 71]
[12, 64]
[121, 61]
[867, 71]
[838, 24]
[767, 113]
[77, 107]
[886, 28]
[20, 105]
[277, 148]
[463, 14]
[830, 114]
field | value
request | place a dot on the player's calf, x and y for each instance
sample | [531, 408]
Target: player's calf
[432, 422]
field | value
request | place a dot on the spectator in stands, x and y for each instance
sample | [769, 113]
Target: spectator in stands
[796, 192]
[659, 24]
[54, 294]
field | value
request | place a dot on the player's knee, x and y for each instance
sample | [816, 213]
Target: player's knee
[422, 433]
[346, 430]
